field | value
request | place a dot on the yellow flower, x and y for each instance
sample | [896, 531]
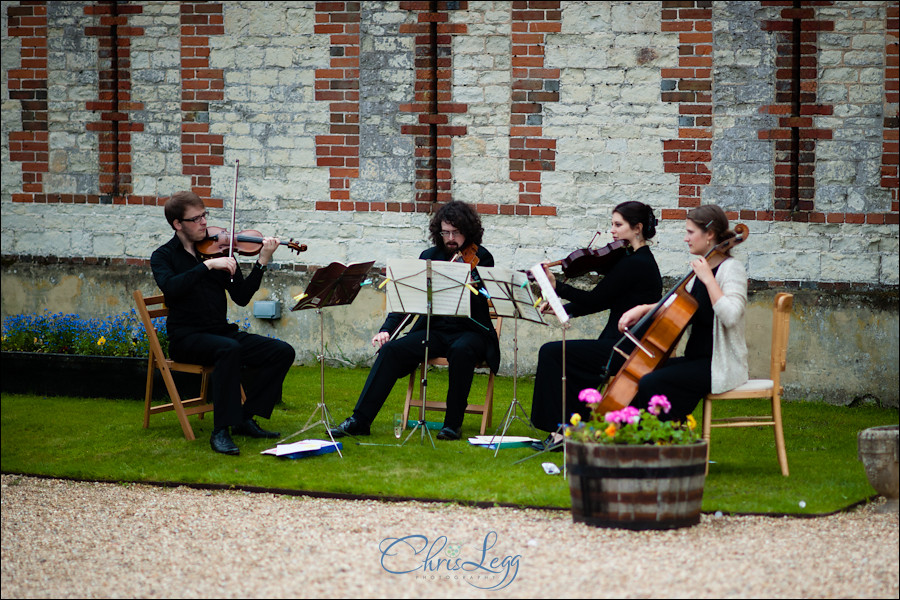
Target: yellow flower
[101, 341]
[611, 430]
[568, 432]
[692, 422]
[575, 420]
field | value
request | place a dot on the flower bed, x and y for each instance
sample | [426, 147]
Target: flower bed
[59, 333]
[69, 355]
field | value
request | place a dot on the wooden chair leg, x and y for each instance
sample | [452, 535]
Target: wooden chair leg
[177, 406]
[487, 417]
[707, 427]
[410, 389]
[779, 434]
[148, 395]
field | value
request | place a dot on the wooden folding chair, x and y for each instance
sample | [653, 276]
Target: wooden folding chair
[760, 388]
[486, 410]
[149, 308]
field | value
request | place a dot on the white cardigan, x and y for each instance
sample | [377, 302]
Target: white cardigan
[730, 366]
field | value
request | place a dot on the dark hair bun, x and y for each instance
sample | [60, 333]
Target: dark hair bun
[650, 224]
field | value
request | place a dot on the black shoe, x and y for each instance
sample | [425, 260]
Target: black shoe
[553, 440]
[221, 442]
[249, 428]
[350, 426]
[448, 433]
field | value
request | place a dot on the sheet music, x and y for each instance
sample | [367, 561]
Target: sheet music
[549, 293]
[510, 293]
[333, 285]
[487, 440]
[301, 446]
[407, 287]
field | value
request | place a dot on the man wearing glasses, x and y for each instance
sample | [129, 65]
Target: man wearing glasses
[465, 342]
[198, 327]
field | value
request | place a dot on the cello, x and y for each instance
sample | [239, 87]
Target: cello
[663, 327]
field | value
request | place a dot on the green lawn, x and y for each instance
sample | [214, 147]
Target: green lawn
[101, 439]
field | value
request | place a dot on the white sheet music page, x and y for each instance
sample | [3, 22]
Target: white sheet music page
[510, 293]
[549, 293]
[407, 288]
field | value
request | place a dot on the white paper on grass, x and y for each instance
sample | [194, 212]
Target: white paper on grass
[301, 446]
[487, 440]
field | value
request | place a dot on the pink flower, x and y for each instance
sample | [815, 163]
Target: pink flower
[589, 396]
[658, 403]
[629, 414]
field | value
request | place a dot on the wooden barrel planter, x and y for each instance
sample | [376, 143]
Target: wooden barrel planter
[636, 487]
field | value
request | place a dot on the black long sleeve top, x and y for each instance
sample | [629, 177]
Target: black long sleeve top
[480, 320]
[195, 294]
[634, 280]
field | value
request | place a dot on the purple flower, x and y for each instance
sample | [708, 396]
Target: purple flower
[589, 396]
[658, 403]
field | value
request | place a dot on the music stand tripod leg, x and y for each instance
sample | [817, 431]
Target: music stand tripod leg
[511, 414]
[423, 393]
[562, 426]
[326, 416]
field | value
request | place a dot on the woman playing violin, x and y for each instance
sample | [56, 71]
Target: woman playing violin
[198, 327]
[633, 280]
[715, 356]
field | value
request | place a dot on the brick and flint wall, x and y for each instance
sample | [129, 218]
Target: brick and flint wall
[352, 119]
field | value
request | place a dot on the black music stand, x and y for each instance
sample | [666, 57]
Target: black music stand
[333, 285]
[426, 287]
[550, 296]
[510, 295]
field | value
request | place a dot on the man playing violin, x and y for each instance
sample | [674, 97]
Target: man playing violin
[199, 331]
[465, 342]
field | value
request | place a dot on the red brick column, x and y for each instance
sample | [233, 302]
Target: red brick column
[433, 102]
[339, 86]
[200, 85]
[28, 84]
[690, 86]
[890, 157]
[796, 104]
[114, 96]
[530, 154]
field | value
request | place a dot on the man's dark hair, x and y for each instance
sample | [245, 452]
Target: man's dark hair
[178, 203]
[460, 215]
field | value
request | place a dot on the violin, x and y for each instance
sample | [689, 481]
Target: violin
[598, 260]
[586, 260]
[218, 242]
[468, 255]
[667, 322]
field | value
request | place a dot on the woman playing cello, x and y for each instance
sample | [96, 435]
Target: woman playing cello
[633, 280]
[715, 356]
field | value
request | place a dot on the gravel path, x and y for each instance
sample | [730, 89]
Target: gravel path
[63, 539]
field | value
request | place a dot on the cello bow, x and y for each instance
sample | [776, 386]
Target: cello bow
[663, 327]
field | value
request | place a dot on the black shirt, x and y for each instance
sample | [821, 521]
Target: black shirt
[634, 280]
[480, 320]
[195, 294]
[700, 343]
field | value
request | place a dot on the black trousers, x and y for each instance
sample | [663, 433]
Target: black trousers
[398, 358]
[585, 364]
[228, 353]
[683, 381]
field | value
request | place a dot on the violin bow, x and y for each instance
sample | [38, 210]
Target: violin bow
[233, 210]
[233, 214]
